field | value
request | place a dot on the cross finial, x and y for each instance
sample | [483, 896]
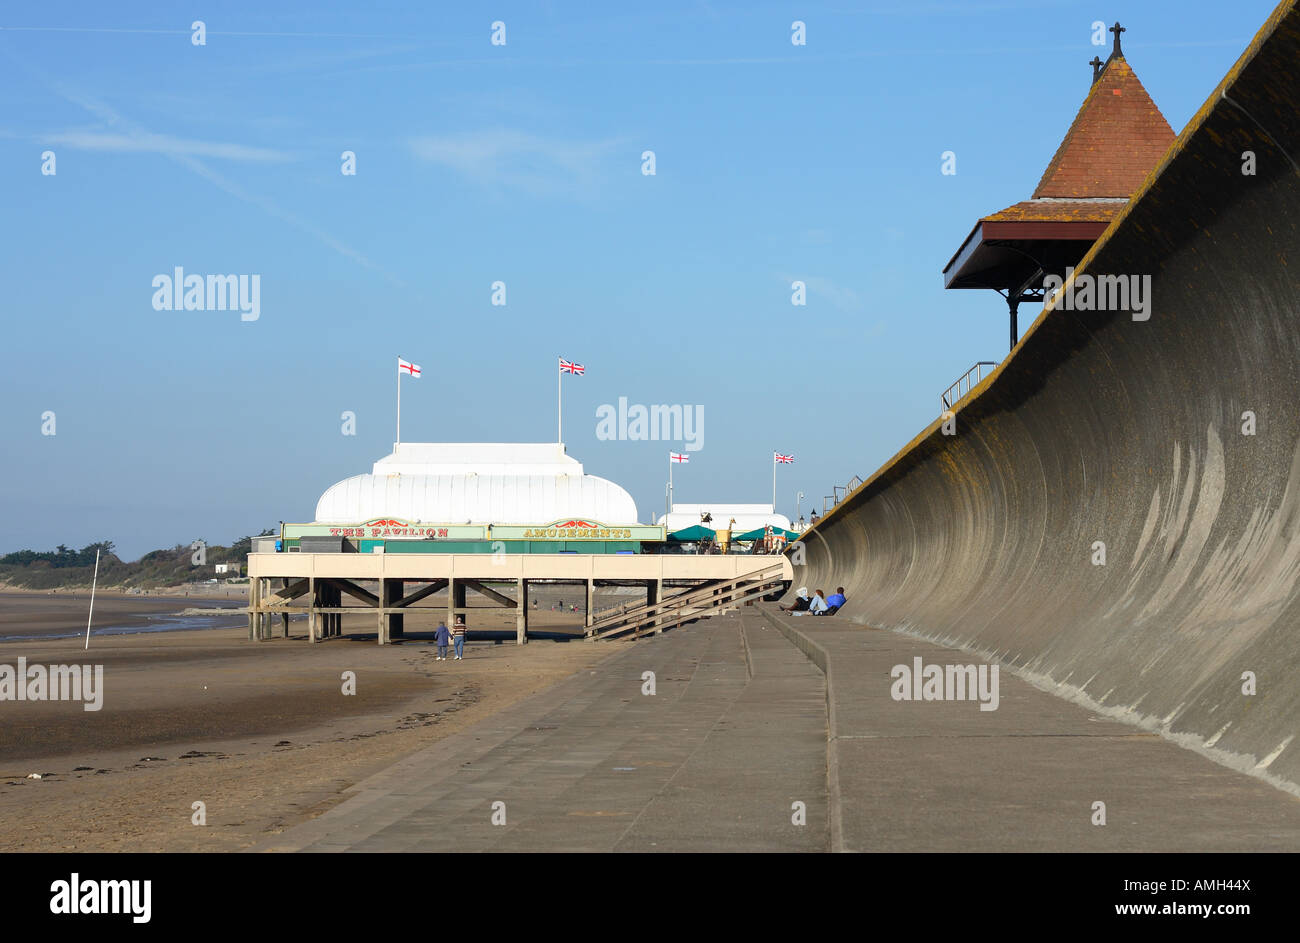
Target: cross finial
[1096, 67]
[1117, 29]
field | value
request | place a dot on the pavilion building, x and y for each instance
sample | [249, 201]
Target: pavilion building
[473, 498]
[1117, 138]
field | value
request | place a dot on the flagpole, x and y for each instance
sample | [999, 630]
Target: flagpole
[670, 481]
[559, 411]
[399, 405]
[773, 482]
[93, 584]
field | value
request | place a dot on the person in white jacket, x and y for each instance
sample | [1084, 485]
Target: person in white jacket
[818, 605]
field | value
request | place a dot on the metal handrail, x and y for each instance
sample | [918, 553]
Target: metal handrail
[965, 384]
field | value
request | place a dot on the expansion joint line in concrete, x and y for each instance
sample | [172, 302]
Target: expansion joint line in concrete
[823, 663]
[744, 642]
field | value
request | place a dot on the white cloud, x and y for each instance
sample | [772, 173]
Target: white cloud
[520, 159]
[144, 142]
[133, 131]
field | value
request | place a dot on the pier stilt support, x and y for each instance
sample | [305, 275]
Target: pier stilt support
[455, 602]
[284, 616]
[654, 591]
[521, 612]
[253, 603]
[390, 625]
[313, 617]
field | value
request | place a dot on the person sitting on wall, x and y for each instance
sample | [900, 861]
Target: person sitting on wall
[800, 601]
[834, 601]
[816, 606]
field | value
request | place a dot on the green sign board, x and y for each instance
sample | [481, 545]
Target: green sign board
[388, 528]
[576, 530]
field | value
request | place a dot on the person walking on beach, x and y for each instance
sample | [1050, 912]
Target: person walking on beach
[442, 636]
[458, 636]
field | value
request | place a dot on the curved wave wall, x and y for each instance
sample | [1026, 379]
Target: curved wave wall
[1101, 429]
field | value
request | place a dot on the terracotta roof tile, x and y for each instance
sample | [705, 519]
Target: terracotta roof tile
[1117, 138]
[1057, 210]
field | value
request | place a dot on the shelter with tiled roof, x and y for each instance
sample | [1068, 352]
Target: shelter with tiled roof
[1117, 138]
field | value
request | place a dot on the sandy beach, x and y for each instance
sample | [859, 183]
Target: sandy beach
[28, 614]
[262, 733]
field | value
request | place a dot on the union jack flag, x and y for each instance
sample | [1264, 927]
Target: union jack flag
[680, 457]
[784, 459]
[568, 366]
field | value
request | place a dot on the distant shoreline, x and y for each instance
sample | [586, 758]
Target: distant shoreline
[42, 615]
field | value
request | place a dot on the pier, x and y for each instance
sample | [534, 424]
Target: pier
[386, 586]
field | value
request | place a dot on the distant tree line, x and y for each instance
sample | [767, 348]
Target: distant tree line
[65, 567]
[62, 555]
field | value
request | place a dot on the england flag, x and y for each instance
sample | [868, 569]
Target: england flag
[680, 458]
[405, 367]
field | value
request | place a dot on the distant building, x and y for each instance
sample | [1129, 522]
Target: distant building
[473, 497]
[477, 483]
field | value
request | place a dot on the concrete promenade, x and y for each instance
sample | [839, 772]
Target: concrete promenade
[744, 723]
[735, 733]
[946, 776]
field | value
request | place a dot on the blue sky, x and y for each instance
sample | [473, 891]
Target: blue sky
[520, 163]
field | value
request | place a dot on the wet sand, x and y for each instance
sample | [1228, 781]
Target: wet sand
[262, 733]
[44, 614]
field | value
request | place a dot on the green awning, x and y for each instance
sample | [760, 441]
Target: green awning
[758, 533]
[692, 534]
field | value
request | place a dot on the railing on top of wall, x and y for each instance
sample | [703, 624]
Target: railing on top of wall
[967, 382]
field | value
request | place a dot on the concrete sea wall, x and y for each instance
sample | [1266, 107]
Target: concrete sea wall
[1102, 428]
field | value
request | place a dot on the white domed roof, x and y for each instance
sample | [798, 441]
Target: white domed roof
[478, 483]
